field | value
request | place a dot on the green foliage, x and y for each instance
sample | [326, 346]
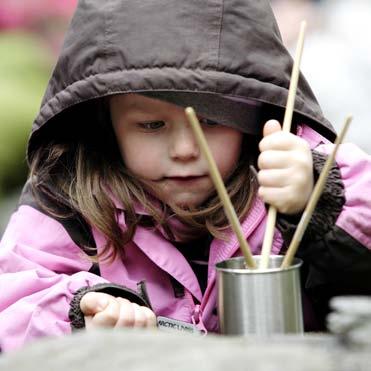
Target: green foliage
[25, 66]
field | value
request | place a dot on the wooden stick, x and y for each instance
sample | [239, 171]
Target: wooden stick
[219, 185]
[307, 214]
[272, 212]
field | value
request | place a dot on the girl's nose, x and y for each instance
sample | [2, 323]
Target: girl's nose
[183, 144]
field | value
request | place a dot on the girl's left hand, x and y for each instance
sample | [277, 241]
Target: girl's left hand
[286, 169]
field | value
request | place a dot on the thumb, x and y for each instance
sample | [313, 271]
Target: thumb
[94, 302]
[270, 127]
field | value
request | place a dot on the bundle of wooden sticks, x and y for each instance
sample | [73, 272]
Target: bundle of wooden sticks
[272, 213]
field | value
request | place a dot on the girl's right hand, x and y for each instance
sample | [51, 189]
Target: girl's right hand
[103, 310]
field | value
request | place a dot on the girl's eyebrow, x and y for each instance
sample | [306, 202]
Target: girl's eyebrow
[134, 105]
[139, 112]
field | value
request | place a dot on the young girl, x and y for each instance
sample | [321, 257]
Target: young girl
[119, 223]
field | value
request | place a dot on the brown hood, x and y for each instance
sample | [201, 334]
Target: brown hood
[202, 50]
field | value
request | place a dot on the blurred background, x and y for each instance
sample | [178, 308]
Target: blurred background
[336, 62]
[31, 34]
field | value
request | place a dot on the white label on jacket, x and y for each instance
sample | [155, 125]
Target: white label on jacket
[170, 325]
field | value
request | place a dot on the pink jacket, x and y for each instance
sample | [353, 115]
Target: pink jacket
[42, 268]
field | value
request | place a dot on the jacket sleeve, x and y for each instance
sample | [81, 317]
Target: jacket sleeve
[336, 247]
[42, 273]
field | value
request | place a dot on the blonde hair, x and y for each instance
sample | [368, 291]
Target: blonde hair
[75, 174]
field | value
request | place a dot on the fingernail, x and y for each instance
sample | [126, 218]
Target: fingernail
[102, 303]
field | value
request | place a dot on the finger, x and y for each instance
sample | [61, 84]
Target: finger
[127, 313]
[275, 178]
[274, 160]
[270, 195]
[280, 198]
[94, 302]
[283, 141]
[140, 317]
[109, 316]
[270, 127]
[151, 320]
[88, 322]
[280, 141]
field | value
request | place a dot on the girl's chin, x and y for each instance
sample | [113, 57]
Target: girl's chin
[184, 201]
[186, 204]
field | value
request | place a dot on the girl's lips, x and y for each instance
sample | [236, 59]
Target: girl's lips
[185, 179]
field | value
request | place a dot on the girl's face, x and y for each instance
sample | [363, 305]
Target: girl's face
[157, 144]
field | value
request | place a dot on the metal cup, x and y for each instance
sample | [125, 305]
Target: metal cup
[260, 302]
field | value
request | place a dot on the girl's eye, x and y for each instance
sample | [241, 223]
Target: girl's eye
[207, 122]
[154, 125]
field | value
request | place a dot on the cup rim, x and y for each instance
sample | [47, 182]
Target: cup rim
[297, 263]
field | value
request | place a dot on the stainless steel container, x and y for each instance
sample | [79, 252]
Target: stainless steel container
[259, 302]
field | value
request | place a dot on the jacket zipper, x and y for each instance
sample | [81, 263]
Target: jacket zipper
[197, 319]
[196, 315]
